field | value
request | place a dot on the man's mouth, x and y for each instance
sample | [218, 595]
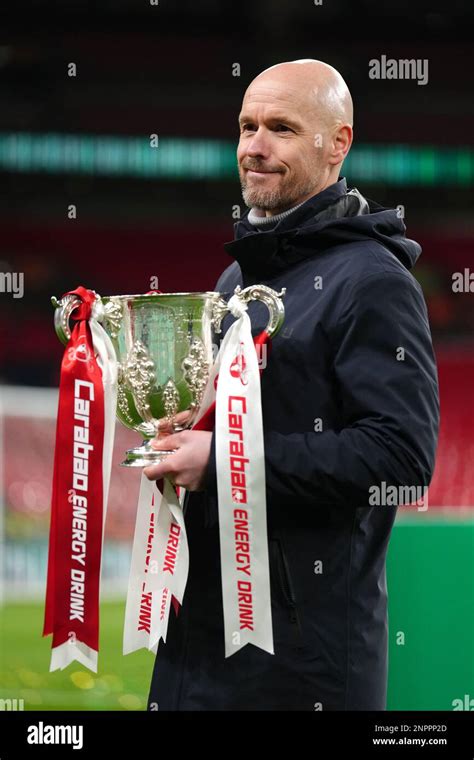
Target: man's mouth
[259, 172]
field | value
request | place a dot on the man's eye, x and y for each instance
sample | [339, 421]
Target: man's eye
[247, 127]
[283, 128]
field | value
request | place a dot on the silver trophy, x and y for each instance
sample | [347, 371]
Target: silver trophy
[164, 346]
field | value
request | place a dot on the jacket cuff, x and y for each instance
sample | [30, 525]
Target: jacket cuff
[210, 477]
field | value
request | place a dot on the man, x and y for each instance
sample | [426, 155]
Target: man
[349, 399]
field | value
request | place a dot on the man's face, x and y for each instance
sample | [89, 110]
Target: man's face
[280, 158]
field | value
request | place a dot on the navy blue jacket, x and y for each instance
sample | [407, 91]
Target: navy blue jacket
[343, 410]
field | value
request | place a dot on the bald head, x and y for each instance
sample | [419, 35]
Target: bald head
[295, 132]
[320, 85]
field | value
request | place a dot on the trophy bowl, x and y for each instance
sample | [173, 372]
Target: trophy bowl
[164, 346]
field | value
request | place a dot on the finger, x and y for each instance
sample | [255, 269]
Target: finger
[162, 434]
[157, 471]
[167, 425]
[164, 427]
[167, 441]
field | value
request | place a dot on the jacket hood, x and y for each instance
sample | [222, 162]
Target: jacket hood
[331, 218]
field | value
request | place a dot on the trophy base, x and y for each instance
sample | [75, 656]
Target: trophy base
[145, 455]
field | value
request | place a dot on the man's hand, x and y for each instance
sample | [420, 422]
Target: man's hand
[186, 467]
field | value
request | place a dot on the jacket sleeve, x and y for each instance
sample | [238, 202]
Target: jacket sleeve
[385, 380]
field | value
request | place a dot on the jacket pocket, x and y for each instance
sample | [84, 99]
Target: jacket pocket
[285, 584]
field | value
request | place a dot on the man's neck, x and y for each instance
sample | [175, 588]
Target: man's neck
[260, 221]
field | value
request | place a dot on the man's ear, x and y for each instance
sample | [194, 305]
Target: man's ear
[341, 143]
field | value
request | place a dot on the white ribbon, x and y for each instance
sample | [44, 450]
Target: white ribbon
[170, 547]
[138, 610]
[159, 567]
[240, 466]
[159, 617]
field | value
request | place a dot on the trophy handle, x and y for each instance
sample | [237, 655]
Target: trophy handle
[268, 296]
[63, 311]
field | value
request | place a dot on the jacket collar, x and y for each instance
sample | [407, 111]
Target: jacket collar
[264, 253]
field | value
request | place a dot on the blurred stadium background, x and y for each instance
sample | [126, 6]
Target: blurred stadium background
[167, 69]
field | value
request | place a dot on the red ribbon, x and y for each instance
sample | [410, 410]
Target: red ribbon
[75, 542]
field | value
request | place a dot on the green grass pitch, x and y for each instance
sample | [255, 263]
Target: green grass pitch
[121, 683]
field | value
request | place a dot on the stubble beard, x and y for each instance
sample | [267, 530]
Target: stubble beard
[281, 198]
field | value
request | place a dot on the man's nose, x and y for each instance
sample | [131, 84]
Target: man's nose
[259, 144]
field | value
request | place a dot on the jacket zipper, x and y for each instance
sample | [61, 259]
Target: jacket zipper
[285, 575]
[287, 587]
